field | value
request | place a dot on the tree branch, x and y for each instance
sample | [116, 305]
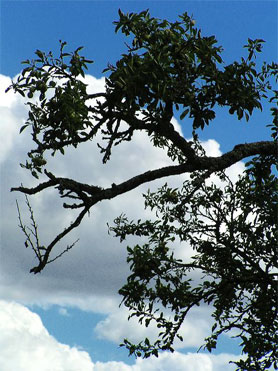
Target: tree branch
[45, 258]
[91, 194]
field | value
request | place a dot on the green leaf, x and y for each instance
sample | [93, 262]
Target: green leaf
[184, 113]
[21, 92]
[39, 53]
[35, 175]
[239, 113]
[23, 128]
[147, 342]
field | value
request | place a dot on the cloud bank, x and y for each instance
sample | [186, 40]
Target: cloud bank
[26, 345]
[90, 275]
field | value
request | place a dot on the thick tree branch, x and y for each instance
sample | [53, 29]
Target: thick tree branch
[90, 194]
[213, 164]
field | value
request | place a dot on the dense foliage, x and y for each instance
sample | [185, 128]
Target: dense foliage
[170, 68]
[233, 234]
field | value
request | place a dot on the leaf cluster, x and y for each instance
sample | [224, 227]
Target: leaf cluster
[59, 115]
[172, 65]
[233, 234]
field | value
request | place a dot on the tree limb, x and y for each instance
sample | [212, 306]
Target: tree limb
[90, 194]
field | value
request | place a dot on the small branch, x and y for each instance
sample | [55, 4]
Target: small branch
[45, 259]
[96, 95]
[28, 242]
[42, 253]
[63, 252]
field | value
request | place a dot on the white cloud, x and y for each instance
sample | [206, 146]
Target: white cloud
[12, 113]
[115, 327]
[212, 148]
[187, 362]
[6, 99]
[89, 276]
[174, 361]
[26, 345]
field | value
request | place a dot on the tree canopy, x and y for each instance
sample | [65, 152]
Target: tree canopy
[170, 69]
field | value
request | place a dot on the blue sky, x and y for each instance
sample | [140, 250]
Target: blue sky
[73, 296]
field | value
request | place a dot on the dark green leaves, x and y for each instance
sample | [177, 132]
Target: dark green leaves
[185, 112]
[23, 128]
[233, 233]
[254, 46]
[175, 62]
[62, 117]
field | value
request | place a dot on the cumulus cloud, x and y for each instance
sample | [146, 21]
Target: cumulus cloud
[101, 257]
[115, 327]
[12, 113]
[26, 345]
[187, 362]
[89, 276]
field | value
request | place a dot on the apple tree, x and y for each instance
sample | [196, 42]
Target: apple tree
[170, 69]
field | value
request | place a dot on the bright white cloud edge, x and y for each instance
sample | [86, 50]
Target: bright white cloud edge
[26, 345]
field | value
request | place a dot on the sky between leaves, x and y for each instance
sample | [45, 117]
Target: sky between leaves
[67, 318]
